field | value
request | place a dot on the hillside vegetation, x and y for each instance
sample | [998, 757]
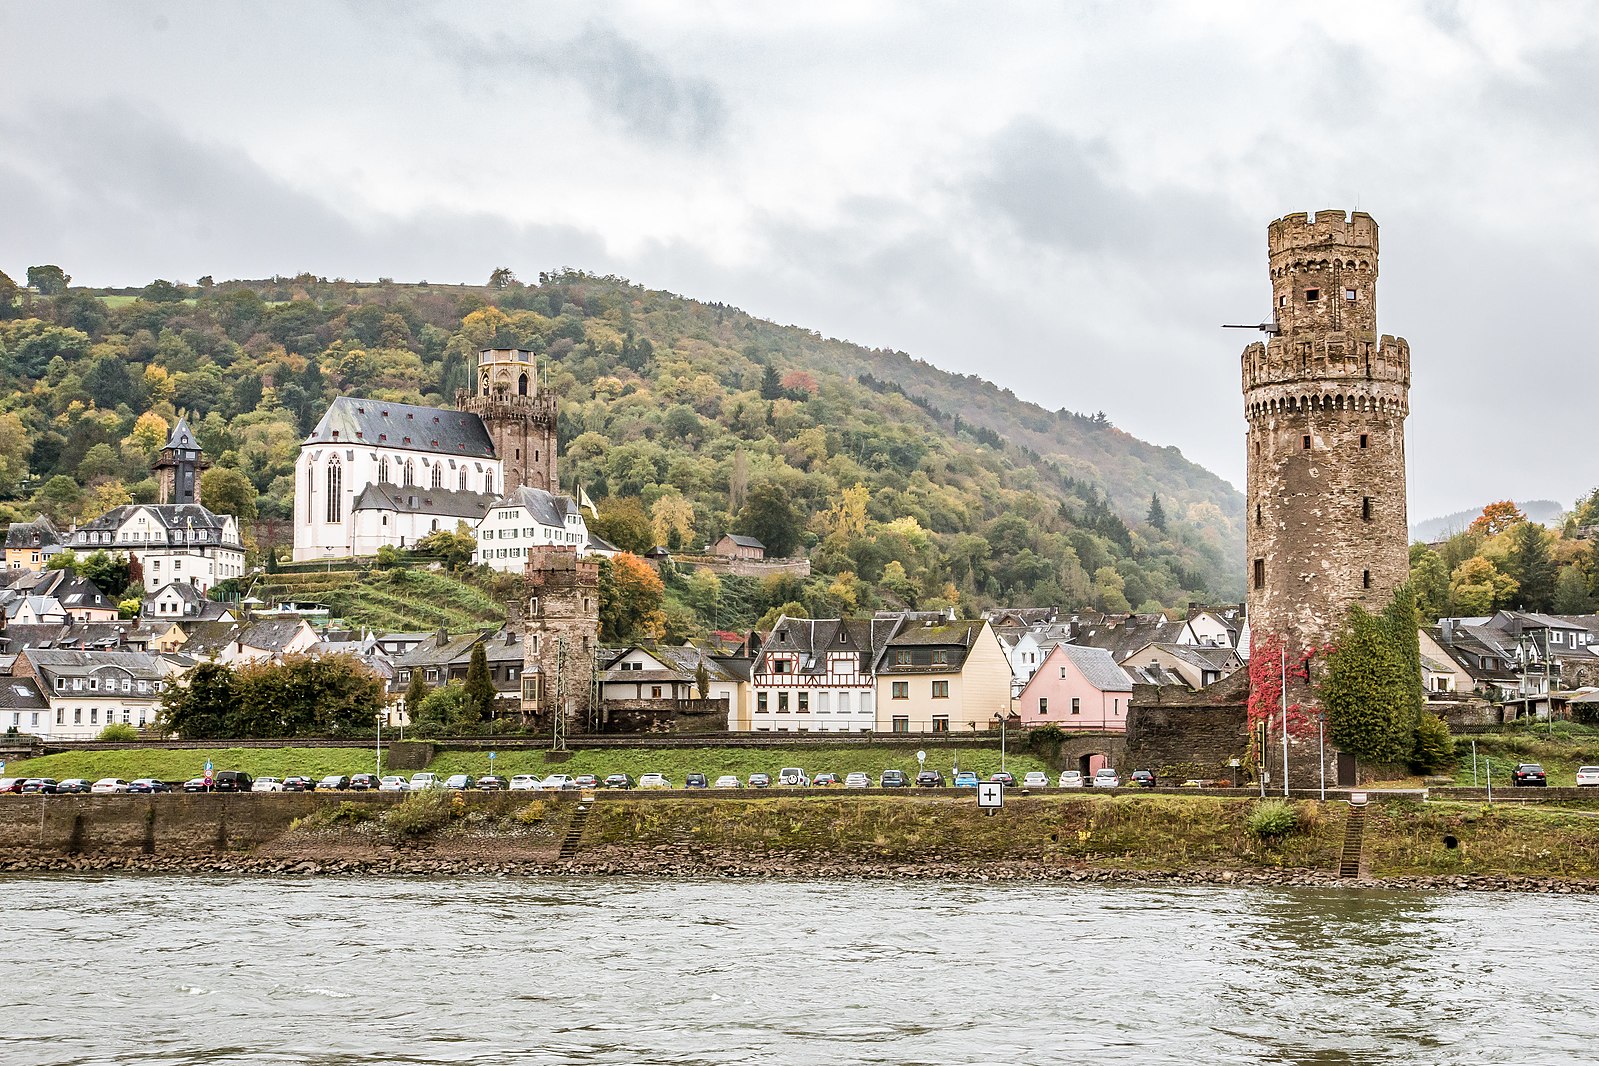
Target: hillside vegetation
[906, 485]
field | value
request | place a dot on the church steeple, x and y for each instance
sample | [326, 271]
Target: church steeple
[519, 415]
[180, 465]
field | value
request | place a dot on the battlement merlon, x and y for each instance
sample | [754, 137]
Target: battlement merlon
[1324, 229]
[1332, 359]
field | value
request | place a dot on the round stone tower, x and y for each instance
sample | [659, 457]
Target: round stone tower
[1326, 401]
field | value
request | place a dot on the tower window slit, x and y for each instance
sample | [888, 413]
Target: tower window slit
[1365, 579]
[1365, 508]
[1307, 441]
[1260, 573]
[1365, 439]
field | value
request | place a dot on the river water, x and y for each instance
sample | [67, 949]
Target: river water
[153, 969]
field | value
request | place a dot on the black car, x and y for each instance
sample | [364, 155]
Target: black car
[695, 781]
[147, 786]
[487, 784]
[930, 779]
[232, 781]
[1143, 779]
[619, 781]
[1004, 777]
[1529, 773]
[72, 786]
[365, 782]
[299, 784]
[39, 785]
[893, 779]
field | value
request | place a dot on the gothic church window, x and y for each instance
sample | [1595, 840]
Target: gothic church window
[462, 479]
[438, 476]
[410, 473]
[335, 487]
[383, 470]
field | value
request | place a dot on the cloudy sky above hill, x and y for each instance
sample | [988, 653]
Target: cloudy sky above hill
[1065, 199]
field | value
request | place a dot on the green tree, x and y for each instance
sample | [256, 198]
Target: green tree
[479, 687]
[226, 491]
[1478, 588]
[502, 278]
[455, 549]
[1571, 592]
[16, 445]
[624, 523]
[415, 692]
[769, 516]
[1430, 580]
[48, 280]
[771, 384]
[1403, 624]
[1157, 514]
[162, 292]
[442, 710]
[203, 708]
[1433, 751]
[1530, 565]
[791, 609]
[702, 680]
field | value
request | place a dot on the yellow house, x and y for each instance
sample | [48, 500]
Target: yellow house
[935, 676]
[30, 545]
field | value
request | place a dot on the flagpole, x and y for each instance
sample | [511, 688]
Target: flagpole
[1285, 717]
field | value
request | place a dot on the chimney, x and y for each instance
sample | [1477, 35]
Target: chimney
[510, 638]
[513, 616]
[1446, 630]
[442, 637]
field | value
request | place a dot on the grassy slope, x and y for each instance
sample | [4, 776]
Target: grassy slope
[1559, 755]
[389, 601]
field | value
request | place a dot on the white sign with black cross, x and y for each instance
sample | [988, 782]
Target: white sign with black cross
[990, 794]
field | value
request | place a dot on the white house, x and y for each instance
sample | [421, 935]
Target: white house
[817, 676]
[89, 690]
[525, 518]
[172, 542]
[375, 472]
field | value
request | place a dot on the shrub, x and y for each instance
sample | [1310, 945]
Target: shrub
[1434, 749]
[119, 733]
[420, 814]
[343, 814]
[1272, 820]
[533, 813]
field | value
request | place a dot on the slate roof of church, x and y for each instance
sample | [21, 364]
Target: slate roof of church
[415, 499]
[352, 421]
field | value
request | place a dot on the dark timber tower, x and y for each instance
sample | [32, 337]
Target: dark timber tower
[179, 466]
[1326, 400]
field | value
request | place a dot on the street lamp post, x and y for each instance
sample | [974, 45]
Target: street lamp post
[1321, 750]
[999, 716]
[378, 749]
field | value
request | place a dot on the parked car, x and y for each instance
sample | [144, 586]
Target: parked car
[930, 779]
[73, 786]
[966, 779]
[893, 779]
[1587, 775]
[299, 784]
[1529, 773]
[619, 781]
[394, 783]
[335, 781]
[39, 786]
[424, 780]
[1070, 779]
[1035, 779]
[491, 783]
[654, 781]
[559, 783]
[1004, 777]
[461, 782]
[857, 780]
[1143, 779]
[524, 782]
[587, 781]
[10, 784]
[148, 786]
[793, 777]
[824, 781]
[267, 784]
[1105, 777]
[197, 784]
[728, 781]
[232, 781]
[760, 780]
[365, 782]
[108, 786]
[696, 781]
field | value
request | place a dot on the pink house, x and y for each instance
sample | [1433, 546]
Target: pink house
[1077, 688]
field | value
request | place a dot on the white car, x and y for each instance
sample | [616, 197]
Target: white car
[654, 781]
[792, 776]
[1070, 779]
[1105, 777]
[108, 785]
[1587, 775]
[558, 782]
[857, 780]
[267, 784]
[728, 781]
[424, 781]
[1035, 779]
[394, 783]
[525, 783]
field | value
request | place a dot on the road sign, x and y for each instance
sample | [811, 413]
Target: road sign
[921, 757]
[990, 794]
[491, 756]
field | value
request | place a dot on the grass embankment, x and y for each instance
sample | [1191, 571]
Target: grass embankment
[398, 600]
[1134, 832]
[1409, 838]
[1559, 752]
[178, 765]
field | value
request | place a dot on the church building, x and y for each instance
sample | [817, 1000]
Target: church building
[375, 472]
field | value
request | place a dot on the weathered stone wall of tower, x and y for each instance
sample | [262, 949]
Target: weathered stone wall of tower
[520, 417]
[1326, 401]
[560, 621]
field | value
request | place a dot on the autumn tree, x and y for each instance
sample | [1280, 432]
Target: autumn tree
[672, 521]
[624, 523]
[226, 491]
[1496, 518]
[502, 278]
[631, 599]
[1478, 588]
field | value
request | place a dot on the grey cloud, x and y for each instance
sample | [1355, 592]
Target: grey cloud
[632, 86]
[128, 193]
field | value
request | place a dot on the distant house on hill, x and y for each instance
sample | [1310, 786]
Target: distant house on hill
[31, 545]
[737, 546]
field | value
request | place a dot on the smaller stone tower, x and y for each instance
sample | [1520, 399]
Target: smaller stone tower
[519, 416]
[561, 634]
[179, 468]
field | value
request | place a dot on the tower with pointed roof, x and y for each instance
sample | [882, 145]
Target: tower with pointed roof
[179, 468]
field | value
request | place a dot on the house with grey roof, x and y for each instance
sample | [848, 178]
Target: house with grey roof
[527, 517]
[1078, 688]
[817, 675]
[937, 675]
[444, 657]
[31, 545]
[658, 688]
[1197, 665]
[23, 707]
[89, 690]
[737, 546]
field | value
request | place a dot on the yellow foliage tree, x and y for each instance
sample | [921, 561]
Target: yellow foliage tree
[150, 431]
[847, 517]
[672, 521]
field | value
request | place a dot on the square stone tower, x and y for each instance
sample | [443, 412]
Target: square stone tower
[1326, 400]
[561, 633]
[520, 417]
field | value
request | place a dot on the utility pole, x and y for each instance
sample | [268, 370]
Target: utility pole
[558, 704]
[1285, 717]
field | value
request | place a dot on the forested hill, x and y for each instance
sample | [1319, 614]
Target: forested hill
[685, 419]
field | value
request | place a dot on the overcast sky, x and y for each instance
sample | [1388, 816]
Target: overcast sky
[1067, 199]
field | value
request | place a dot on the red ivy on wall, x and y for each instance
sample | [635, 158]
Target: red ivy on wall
[1266, 685]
